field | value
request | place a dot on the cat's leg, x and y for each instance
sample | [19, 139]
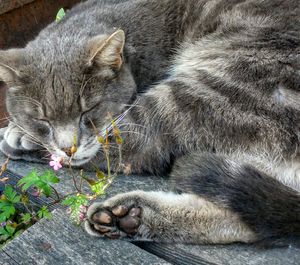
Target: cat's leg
[15, 144]
[166, 217]
[222, 201]
[238, 183]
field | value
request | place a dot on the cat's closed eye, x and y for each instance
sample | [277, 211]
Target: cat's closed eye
[87, 121]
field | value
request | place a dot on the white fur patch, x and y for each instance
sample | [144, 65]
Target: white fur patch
[65, 135]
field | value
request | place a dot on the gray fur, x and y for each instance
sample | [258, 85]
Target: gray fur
[217, 76]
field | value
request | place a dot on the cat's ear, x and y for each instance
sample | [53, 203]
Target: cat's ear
[9, 63]
[107, 51]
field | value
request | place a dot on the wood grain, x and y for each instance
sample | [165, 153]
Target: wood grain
[20, 25]
[8, 5]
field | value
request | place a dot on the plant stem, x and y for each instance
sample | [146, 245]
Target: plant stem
[73, 177]
[56, 193]
[108, 163]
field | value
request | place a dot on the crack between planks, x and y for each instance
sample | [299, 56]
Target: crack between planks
[10, 257]
[173, 255]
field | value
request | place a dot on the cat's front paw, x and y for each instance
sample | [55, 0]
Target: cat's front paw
[17, 139]
[118, 217]
[17, 145]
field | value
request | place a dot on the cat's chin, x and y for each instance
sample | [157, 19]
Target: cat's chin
[79, 162]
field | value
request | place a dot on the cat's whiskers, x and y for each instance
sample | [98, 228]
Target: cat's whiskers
[133, 105]
[46, 156]
[131, 125]
[133, 132]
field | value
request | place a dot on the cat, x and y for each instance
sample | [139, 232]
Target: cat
[211, 92]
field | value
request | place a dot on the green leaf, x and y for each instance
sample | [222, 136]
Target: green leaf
[74, 202]
[61, 13]
[45, 188]
[26, 218]
[11, 195]
[98, 188]
[88, 180]
[3, 232]
[6, 210]
[7, 231]
[29, 180]
[10, 230]
[42, 181]
[69, 200]
[44, 213]
[100, 174]
[49, 177]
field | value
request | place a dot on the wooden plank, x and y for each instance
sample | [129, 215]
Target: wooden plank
[173, 254]
[57, 241]
[20, 25]
[234, 254]
[8, 5]
[6, 259]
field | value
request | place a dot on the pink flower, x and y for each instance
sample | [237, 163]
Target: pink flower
[69, 210]
[83, 209]
[82, 217]
[56, 162]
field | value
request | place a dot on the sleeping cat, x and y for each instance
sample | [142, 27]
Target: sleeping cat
[212, 94]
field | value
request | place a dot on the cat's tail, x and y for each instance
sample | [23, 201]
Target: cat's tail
[269, 208]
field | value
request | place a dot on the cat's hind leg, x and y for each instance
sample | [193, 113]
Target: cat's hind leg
[220, 200]
[165, 217]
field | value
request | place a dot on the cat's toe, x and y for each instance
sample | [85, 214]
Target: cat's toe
[103, 217]
[28, 144]
[117, 222]
[13, 137]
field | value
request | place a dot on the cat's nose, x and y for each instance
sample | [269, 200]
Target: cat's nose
[68, 151]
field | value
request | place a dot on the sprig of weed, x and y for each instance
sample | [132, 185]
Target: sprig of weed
[17, 213]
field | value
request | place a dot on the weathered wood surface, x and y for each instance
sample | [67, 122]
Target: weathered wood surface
[235, 254]
[22, 24]
[5, 259]
[59, 242]
[8, 5]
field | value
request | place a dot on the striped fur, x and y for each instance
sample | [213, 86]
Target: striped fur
[214, 93]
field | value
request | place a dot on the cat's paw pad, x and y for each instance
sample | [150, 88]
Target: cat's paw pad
[115, 222]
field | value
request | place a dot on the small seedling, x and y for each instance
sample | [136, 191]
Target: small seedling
[60, 14]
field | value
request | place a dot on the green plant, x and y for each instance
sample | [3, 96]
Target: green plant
[17, 213]
[60, 14]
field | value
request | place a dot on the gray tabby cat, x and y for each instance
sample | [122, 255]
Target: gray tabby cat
[214, 90]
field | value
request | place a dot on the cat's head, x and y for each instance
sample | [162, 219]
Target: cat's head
[56, 91]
